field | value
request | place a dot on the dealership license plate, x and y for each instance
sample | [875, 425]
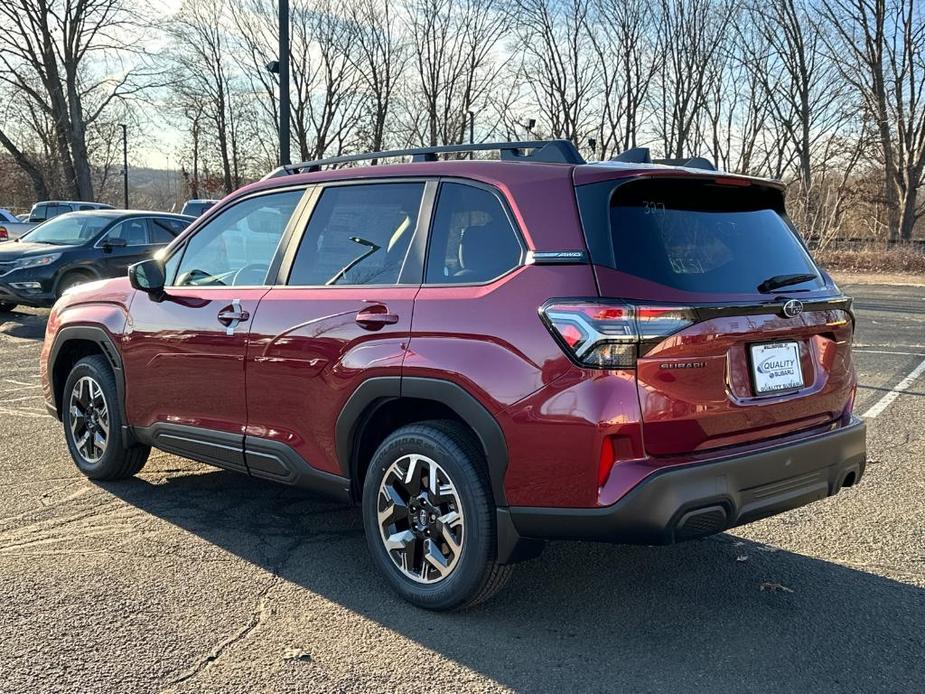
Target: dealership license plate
[776, 367]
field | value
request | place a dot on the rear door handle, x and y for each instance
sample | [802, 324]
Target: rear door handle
[375, 317]
[231, 315]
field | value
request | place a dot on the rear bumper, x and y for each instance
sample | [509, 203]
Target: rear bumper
[690, 501]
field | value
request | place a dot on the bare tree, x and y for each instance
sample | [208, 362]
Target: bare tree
[256, 24]
[201, 57]
[691, 34]
[61, 55]
[880, 48]
[329, 87]
[379, 54]
[628, 60]
[453, 42]
[560, 64]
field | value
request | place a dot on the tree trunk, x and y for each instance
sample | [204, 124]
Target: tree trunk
[35, 175]
[78, 142]
[906, 211]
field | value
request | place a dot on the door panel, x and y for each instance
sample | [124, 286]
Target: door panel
[307, 354]
[359, 262]
[184, 355]
[181, 365]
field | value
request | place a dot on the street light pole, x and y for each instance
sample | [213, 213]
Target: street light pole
[125, 165]
[283, 82]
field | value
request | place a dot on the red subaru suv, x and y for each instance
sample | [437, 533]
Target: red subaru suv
[484, 354]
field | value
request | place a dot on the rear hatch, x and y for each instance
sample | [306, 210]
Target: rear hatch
[738, 336]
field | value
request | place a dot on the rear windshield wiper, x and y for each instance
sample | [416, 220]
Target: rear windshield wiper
[778, 281]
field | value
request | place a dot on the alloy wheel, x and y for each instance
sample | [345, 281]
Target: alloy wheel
[421, 518]
[89, 415]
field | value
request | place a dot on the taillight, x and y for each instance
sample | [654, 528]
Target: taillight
[610, 335]
[4, 235]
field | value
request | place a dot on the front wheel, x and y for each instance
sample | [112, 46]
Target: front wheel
[93, 423]
[430, 519]
[72, 279]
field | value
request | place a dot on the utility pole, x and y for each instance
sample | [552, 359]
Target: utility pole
[125, 165]
[471, 132]
[283, 82]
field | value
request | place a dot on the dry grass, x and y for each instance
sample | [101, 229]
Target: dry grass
[902, 259]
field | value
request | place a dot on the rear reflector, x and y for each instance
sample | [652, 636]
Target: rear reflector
[607, 335]
[606, 461]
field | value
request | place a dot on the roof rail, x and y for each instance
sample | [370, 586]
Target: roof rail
[640, 155]
[548, 151]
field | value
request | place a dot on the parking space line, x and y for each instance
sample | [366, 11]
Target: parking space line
[889, 351]
[887, 399]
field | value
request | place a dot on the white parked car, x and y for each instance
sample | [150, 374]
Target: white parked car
[11, 227]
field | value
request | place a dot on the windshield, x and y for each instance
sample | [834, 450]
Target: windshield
[67, 230]
[699, 236]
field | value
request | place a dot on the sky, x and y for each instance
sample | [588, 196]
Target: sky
[160, 148]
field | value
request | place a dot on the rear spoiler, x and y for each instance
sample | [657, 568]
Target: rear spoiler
[640, 155]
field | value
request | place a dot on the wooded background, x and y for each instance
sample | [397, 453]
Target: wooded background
[827, 95]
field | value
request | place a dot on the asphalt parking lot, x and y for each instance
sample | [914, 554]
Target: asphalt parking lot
[190, 578]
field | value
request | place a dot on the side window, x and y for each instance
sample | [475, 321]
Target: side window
[132, 231]
[471, 238]
[163, 231]
[236, 247]
[39, 213]
[358, 234]
[59, 209]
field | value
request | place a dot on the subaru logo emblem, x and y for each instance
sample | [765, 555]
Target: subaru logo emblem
[793, 308]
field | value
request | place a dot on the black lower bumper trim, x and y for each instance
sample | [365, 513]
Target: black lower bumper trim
[700, 499]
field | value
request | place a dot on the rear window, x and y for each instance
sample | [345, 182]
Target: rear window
[694, 236]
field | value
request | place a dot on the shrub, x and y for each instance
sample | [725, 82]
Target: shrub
[907, 258]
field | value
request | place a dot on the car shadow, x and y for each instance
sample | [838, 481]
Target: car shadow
[718, 614]
[26, 324]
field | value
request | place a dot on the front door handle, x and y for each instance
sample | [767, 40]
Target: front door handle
[231, 315]
[375, 317]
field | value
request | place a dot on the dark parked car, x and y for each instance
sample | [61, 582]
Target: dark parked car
[482, 354]
[79, 247]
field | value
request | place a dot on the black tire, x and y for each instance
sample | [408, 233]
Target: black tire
[72, 279]
[476, 575]
[117, 461]
[6, 307]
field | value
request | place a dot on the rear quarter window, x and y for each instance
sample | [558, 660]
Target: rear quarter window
[694, 235]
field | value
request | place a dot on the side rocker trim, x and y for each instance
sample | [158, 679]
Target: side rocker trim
[251, 455]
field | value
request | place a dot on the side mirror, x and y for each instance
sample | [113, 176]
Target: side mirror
[116, 242]
[148, 276]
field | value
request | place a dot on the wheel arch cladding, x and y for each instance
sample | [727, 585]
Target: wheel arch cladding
[71, 344]
[442, 399]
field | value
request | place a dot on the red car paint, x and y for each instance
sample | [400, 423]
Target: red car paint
[286, 373]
